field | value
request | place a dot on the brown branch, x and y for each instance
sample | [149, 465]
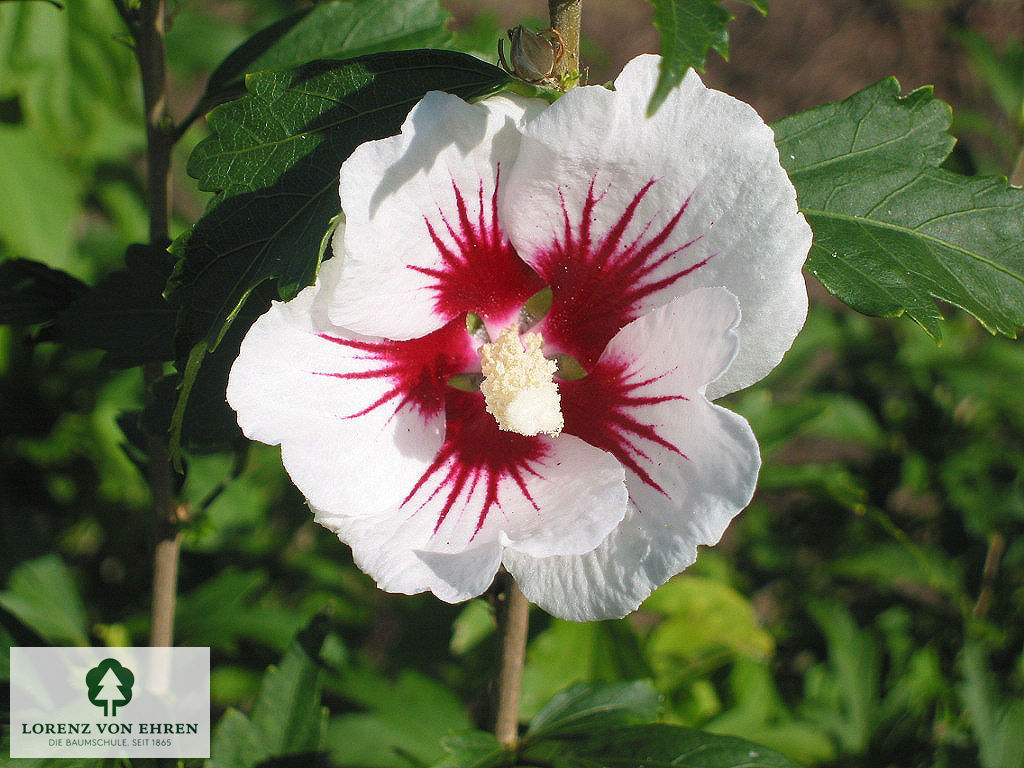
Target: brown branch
[566, 17]
[147, 27]
[993, 557]
[513, 611]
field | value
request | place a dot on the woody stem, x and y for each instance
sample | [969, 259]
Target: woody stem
[513, 611]
[566, 19]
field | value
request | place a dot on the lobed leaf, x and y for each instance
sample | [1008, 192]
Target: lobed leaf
[287, 718]
[688, 29]
[341, 29]
[125, 314]
[32, 293]
[892, 230]
[273, 160]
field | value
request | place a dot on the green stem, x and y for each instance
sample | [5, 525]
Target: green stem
[513, 613]
[566, 18]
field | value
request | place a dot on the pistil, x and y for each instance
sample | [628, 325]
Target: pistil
[518, 386]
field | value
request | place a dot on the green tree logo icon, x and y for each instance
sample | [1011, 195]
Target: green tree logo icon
[110, 685]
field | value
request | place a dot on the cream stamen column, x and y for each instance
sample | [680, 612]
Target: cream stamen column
[518, 387]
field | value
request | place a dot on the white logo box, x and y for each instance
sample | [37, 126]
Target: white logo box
[110, 702]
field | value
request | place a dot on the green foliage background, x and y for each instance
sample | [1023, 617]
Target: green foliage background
[867, 610]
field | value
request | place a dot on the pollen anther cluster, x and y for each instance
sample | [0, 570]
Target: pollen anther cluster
[518, 387]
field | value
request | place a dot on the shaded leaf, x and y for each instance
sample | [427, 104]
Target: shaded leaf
[585, 707]
[206, 422]
[224, 610]
[126, 313]
[42, 594]
[688, 29]
[659, 746]
[342, 29]
[998, 724]
[287, 718]
[758, 712]
[274, 160]
[33, 293]
[844, 697]
[893, 231]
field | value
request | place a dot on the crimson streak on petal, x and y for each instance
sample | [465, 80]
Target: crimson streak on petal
[480, 270]
[604, 408]
[476, 460]
[418, 369]
[598, 285]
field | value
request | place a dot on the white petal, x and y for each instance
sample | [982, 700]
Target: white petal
[592, 158]
[422, 242]
[691, 465]
[350, 438]
[487, 491]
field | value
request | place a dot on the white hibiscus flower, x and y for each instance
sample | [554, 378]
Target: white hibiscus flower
[669, 250]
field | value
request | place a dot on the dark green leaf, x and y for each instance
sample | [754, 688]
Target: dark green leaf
[892, 231]
[659, 746]
[206, 422]
[688, 30]
[288, 710]
[342, 29]
[274, 160]
[126, 313]
[32, 293]
[588, 707]
[43, 594]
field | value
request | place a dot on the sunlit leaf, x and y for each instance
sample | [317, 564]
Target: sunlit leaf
[688, 30]
[705, 625]
[341, 29]
[29, 173]
[590, 708]
[43, 594]
[567, 652]
[893, 231]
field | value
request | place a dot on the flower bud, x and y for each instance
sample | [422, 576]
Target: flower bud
[533, 56]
